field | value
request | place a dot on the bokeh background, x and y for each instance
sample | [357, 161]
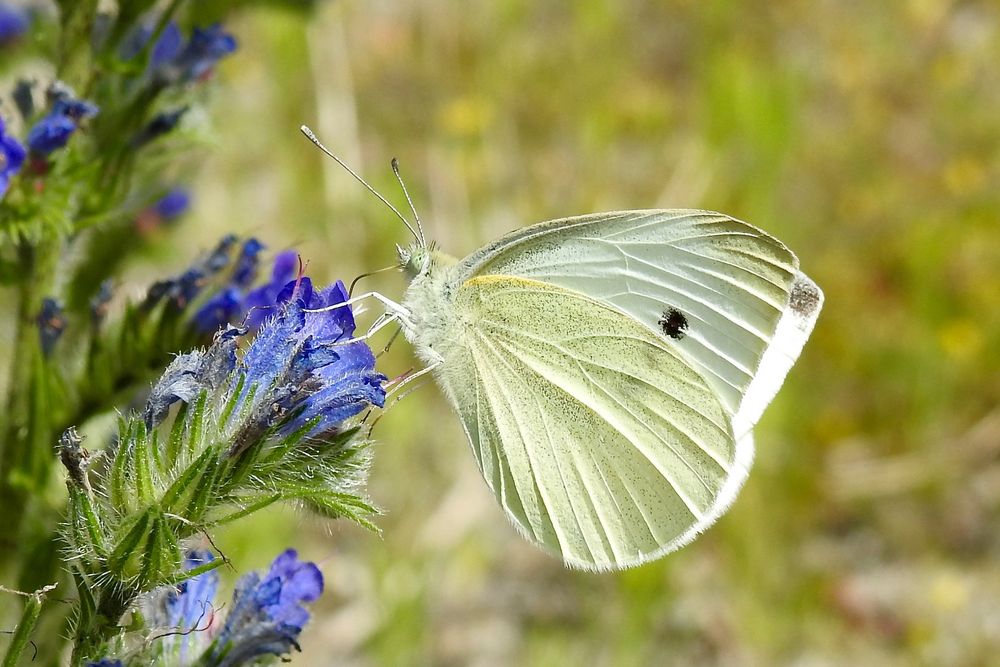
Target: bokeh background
[866, 135]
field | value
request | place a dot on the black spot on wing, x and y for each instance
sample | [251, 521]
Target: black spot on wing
[673, 323]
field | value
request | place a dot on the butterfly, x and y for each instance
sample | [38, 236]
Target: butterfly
[608, 369]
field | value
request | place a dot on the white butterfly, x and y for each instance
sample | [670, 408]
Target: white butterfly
[608, 369]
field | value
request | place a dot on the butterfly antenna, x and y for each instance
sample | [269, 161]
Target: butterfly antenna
[416, 216]
[312, 137]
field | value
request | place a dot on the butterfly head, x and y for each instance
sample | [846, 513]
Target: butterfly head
[414, 260]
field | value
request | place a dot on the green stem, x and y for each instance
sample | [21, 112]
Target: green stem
[114, 600]
[25, 449]
[22, 634]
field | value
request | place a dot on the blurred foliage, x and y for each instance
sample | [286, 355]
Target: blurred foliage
[864, 135]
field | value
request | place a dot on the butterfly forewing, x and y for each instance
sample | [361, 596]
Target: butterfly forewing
[726, 282]
[600, 440]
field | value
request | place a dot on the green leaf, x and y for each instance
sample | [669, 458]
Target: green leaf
[162, 557]
[334, 505]
[118, 479]
[183, 491]
[140, 449]
[124, 561]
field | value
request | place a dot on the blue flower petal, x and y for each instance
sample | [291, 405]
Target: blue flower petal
[75, 109]
[173, 204]
[206, 47]
[259, 303]
[267, 614]
[12, 156]
[330, 326]
[167, 46]
[50, 133]
[14, 22]
[191, 603]
[54, 130]
[218, 310]
[298, 582]
[271, 351]
[245, 271]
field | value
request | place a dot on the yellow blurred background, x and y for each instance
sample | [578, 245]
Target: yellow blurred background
[865, 135]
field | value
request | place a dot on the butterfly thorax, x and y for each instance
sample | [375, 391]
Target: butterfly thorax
[428, 300]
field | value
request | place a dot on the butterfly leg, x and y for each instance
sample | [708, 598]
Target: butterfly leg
[384, 320]
[410, 378]
[399, 311]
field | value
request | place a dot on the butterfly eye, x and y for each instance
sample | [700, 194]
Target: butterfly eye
[673, 323]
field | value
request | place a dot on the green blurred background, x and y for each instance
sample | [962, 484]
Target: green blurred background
[866, 135]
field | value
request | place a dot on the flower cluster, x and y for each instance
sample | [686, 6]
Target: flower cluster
[170, 62]
[265, 617]
[302, 363]
[268, 405]
[264, 417]
[222, 289]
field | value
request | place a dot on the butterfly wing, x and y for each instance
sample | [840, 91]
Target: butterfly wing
[597, 437]
[748, 308]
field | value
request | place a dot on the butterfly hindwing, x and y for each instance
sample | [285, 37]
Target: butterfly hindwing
[600, 440]
[715, 285]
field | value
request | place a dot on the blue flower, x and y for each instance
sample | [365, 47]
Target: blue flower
[265, 617]
[50, 133]
[260, 301]
[349, 382]
[245, 271]
[190, 604]
[174, 61]
[12, 155]
[14, 22]
[221, 308]
[167, 46]
[227, 304]
[268, 615]
[189, 611]
[55, 129]
[287, 585]
[205, 48]
[167, 209]
[76, 109]
[106, 662]
[301, 365]
[173, 204]
[303, 370]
